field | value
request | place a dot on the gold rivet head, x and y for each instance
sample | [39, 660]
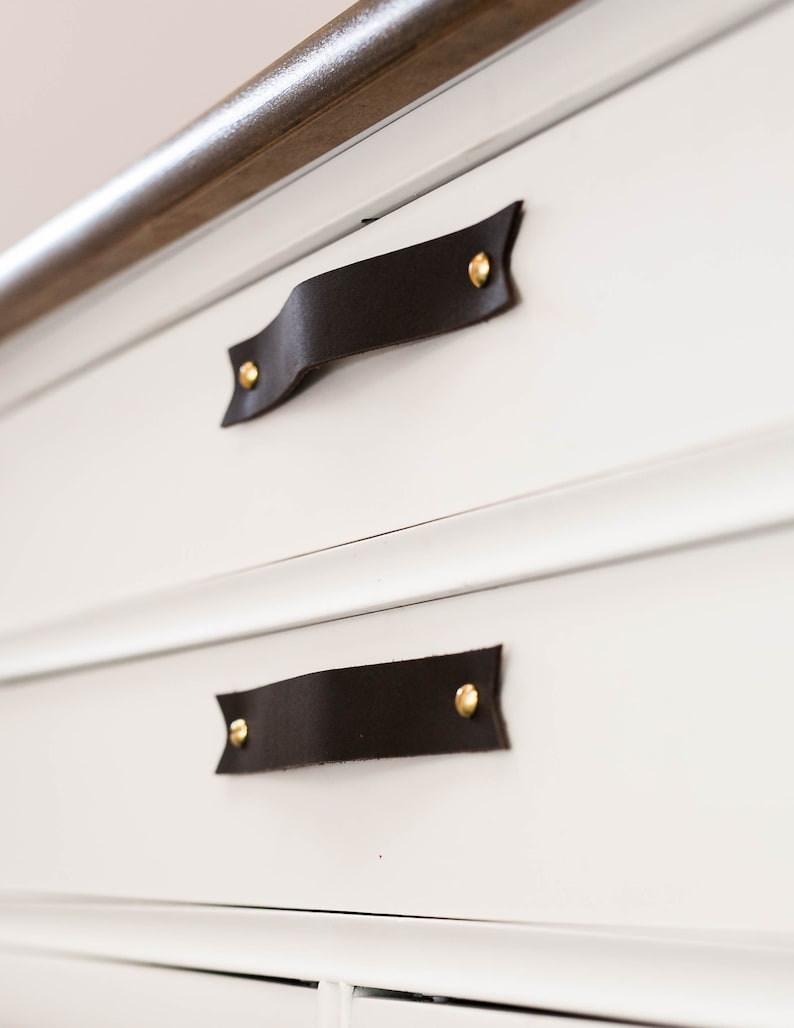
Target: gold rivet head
[238, 733]
[466, 700]
[248, 375]
[479, 269]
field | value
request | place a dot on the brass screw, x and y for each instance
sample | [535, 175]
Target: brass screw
[466, 700]
[479, 269]
[238, 733]
[248, 375]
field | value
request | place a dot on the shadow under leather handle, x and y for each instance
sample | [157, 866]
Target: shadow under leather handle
[420, 291]
[404, 708]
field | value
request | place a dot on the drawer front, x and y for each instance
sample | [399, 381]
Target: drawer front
[435, 1012]
[69, 992]
[649, 779]
[653, 269]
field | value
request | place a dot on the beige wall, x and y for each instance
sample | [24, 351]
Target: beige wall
[88, 86]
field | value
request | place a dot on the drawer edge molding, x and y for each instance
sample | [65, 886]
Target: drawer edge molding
[712, 980]
[695, 497]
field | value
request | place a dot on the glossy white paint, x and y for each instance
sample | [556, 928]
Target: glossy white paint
[700, 981]
[601, 481]
[736, 488]
[591, 52]
[644, 275]
[370, 1012]
[42, 989]
[334, 1004]
[649, 782]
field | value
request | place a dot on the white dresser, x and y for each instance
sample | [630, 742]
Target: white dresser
[599, 479]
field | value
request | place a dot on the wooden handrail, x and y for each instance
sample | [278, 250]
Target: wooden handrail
[373, 60]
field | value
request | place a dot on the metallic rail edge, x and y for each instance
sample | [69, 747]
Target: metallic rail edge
[370, 62]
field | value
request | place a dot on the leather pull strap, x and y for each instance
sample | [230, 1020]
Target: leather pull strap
[419, 291]
[407, 708]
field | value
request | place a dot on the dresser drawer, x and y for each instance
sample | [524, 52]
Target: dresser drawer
[649, 779]
[62, 991]
[653, 271]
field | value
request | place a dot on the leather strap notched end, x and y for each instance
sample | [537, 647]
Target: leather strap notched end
[398, 297]
[408, 708]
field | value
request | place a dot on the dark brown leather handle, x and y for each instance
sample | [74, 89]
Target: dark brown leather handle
[419, 291]
[407, 708]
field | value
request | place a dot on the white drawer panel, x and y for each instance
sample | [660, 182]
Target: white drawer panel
[654, 267]
[371, 1012]
[63, 992]
[650, 780]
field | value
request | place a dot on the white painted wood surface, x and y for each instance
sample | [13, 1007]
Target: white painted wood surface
[650, 780]
[41, 990]
[369, 1012]
[737, 488]
[334, 1001]
[700, 980]
[654, 316]
[592, 51]
[623, 443]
